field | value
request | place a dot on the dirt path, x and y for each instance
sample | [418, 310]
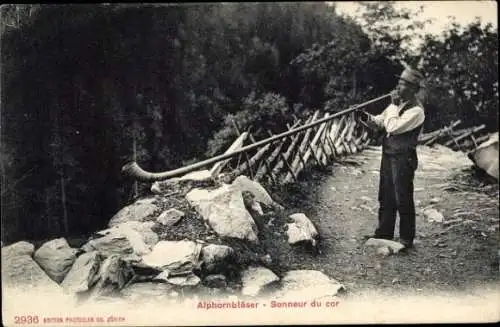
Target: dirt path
[343, 204]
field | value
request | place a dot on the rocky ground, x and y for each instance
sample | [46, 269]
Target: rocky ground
[457, 254]
[242, 248]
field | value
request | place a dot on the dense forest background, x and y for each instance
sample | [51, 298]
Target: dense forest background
[87, 88]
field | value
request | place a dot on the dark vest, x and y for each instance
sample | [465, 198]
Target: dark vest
[401, 143]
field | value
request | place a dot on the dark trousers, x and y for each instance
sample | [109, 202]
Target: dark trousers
[397, 172]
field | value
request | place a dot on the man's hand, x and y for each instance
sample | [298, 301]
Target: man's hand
[367, 120]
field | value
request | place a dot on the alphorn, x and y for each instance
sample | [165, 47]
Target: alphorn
[134, 171]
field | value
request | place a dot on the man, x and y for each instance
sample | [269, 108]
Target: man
[401, 123]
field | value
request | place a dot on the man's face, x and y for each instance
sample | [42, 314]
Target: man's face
[406, 90]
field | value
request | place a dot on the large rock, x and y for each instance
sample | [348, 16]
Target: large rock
[256, 279]
[56, 258]
[215, 258]
[18, 249]
[113, 275]
[121, 239]
[178, 257]
[170, 217]
[83, 274]
[138, 211]
[145, 229]
[21, 272]
[225, 212]
[307, 285]
[244, 183]
[394, 246]
[485, 156]
[301, 230]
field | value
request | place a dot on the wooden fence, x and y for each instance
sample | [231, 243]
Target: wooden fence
[282, 161]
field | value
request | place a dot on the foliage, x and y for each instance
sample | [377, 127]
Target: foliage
[268, 112]
[462, 75]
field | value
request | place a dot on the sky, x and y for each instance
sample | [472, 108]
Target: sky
[464, 11]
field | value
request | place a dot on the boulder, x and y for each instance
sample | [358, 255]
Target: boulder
[18, 249]
[170, 217]
[83, 274]
[225, 212]
[395, 247]
[307, 285]
[56, 258]
[109, 242]
[485, 156]
[215, 258]
[244, 183]
[138, 211]
[301, 230]
[21, 272]
[215, 281]
[113, 275]
[433, 215]
[178, 257]
[145, 229]
[256, 279]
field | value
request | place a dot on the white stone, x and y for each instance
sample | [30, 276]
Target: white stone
[19, 248]
[225, 212]
[301, 229]
[175, 256]
[394, 246]
[83, 274]
[433, 215]
[113, 275]
[255, 279]
[56, 258]
[137, 211]
[144, 228]
[170, 217]
[109, 242]
[307, 285]
[21, 273]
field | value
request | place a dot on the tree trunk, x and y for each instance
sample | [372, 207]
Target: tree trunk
[63, 203]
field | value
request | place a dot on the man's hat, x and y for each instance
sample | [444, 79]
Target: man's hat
[411, 75]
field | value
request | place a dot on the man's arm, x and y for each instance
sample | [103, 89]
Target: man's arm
[410, 119]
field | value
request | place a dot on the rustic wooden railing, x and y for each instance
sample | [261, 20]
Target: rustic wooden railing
[280, 158]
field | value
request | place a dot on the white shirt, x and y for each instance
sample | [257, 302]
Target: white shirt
[394, 124]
